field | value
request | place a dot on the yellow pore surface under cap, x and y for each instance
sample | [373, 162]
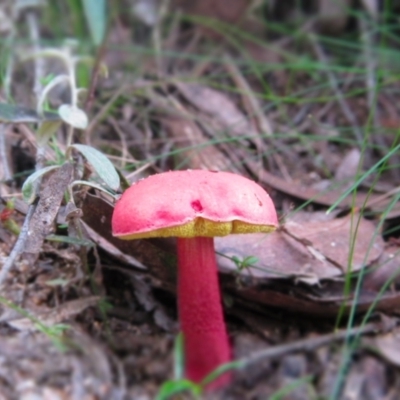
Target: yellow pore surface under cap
[202, 227]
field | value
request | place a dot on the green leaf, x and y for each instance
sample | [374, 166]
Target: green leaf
[59, 79]
[70, 240]
[179, 357]
[46, 130]
[250, 260]
[57, 282]
[93, 185]
[221, 370]
[96, 16]
[73, 116]
[18, 114]
[170, 388]
[102, 165]
[47, 79]
[28, 186]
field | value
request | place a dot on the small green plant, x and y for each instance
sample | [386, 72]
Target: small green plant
[49, 122]
[245, 263]
[75, 118]
[242, 265]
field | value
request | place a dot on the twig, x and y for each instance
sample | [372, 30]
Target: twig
[251, 102]
[351, 118]
[39, 65]
[307, 345]
[161, 10]
[370, 80]
[18, 246]
[95, 76]
[9, 42]
[34, 34]
[304, 345]
[7, 176]
[122, 137]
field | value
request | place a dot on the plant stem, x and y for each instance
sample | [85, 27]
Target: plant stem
[205, 337]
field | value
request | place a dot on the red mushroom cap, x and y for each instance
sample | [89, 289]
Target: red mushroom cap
[193, 203]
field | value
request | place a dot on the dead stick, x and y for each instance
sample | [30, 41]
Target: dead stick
[308, 344]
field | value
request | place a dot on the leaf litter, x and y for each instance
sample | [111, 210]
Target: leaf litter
[83, 321]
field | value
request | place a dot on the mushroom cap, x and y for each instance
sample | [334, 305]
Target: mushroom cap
[193, 203]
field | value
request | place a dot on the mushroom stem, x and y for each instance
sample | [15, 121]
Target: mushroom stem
[206, 341]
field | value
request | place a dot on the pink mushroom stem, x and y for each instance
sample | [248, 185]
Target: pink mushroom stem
[206, 342]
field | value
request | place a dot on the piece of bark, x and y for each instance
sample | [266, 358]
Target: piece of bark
[46, 210]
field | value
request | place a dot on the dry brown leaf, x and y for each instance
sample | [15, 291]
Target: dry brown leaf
[308, 251]
[387, 268]
[389, 346]
[348, 167]
[144, 294]
[351, 239]
[376, 202]
[219, 106]
[97, 215]
[375, 382]
[198, 156]
[111, 249]
[278, 255]
[366, 380]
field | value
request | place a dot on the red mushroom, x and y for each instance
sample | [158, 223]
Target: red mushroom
[195, 206]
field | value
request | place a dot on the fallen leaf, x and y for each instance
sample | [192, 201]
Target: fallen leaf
[278, 257]
[144, 294]
[159, 260]
[197, 152]
[386, 269]
[349, 240]
[307, 251]
[330, 196]
[389, 346]
[219, 106]
[349, 165]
